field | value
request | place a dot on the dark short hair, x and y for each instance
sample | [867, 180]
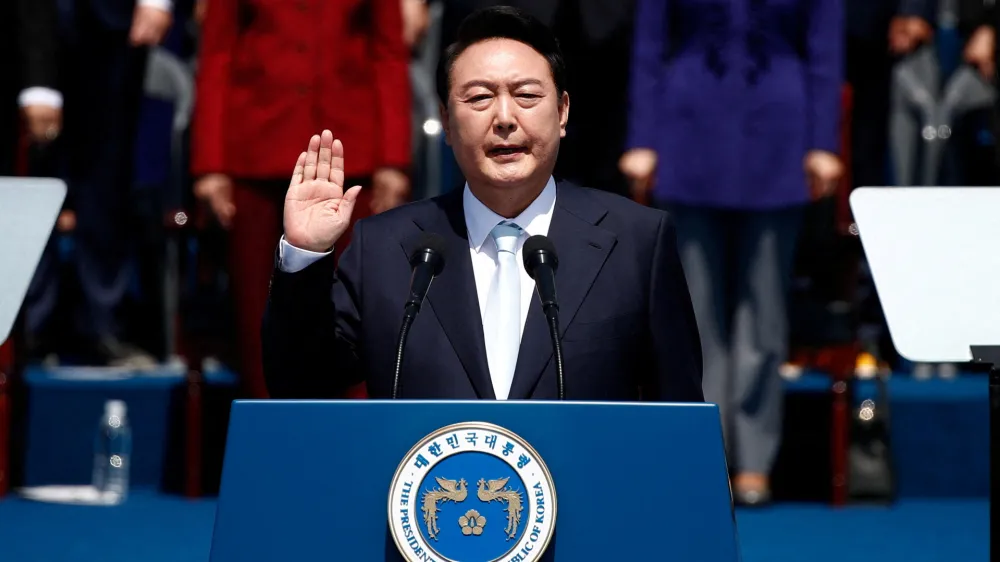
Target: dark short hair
[502, 22]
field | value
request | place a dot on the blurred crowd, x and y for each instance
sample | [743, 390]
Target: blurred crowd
[176, 124]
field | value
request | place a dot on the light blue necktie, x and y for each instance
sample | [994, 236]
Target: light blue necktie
[502, 320]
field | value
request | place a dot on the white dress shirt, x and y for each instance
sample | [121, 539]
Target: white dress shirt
[479, 221]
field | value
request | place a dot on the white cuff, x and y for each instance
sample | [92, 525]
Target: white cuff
[39, 95]
[165, 5]
[292, 259]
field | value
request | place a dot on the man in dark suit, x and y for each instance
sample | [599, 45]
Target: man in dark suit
[28, 43]
[626, 317]
[104, 47]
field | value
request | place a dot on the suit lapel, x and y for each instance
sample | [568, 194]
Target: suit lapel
[582, 247]
[453, 296]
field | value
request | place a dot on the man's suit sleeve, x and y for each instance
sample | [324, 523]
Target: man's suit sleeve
[37, 43]
[675, 345]
[312, 325]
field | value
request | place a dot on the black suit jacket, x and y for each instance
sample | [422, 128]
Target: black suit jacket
[28, 52]
[28, 43]
[626, 315]
[111, 15]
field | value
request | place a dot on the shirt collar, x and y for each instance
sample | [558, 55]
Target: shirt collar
[535, 220]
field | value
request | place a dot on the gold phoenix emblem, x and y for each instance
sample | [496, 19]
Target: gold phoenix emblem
[494, 491]
[450, 490]
[472, 523]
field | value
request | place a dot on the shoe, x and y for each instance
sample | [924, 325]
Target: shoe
[947, 371]
[923, 371]
[790, 371]
[752, 497]
[40, 350]
[865, 366]
[111, 352]
[751, 490]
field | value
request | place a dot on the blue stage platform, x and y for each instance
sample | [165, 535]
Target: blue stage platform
[65, 405]
[939, 431]
[157, 528]
[938, 427]
[939, 439]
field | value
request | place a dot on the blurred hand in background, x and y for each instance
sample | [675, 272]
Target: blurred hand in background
[639, 167]
[149, 25]
[416, 20]
[823, 173]
[44, 122]
[216, 192]
[390, 189]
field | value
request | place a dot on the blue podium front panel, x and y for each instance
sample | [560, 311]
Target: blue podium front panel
[311, 480]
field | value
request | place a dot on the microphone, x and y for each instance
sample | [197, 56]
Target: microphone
[426, 262]
[541, 262]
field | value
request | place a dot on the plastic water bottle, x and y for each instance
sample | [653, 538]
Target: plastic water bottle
[112, 451]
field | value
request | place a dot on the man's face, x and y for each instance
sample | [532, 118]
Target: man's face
[504, 117]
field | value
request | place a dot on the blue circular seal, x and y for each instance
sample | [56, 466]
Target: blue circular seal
[474, 492]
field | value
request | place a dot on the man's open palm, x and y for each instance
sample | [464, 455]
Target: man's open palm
[317, 209]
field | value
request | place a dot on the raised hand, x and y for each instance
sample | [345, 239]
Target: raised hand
[317, 209]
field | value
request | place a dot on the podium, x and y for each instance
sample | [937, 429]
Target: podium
[444, 480]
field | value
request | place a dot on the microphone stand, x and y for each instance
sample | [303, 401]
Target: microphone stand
[427, 262]
[989, 355]
[552, 317]
[404, 330]
[540, 262]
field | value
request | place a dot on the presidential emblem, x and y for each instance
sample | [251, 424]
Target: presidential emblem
[472, 492]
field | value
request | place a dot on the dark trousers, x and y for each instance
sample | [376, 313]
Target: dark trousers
[738, 266]
[103, 78]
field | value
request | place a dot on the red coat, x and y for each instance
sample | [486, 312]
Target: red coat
[274, 72]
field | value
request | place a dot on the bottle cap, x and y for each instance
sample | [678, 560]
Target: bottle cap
[114, 408]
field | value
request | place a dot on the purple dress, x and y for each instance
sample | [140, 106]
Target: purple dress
[732, 94]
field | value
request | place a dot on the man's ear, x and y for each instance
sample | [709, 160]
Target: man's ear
[445, 122]
[563, 114]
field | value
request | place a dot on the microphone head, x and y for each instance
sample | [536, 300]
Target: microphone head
[539, 250]
[429, 249]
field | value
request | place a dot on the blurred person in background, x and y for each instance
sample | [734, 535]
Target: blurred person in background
[977, 24]
[596, 39]
[104, 45]
[28, 84]
[416, 21]
[913, 25]
[878, 32]
[734, 126]
[269, 74]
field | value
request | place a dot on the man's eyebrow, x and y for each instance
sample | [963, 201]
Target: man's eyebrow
[492, 85]
[473, 83]
[527, 82]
